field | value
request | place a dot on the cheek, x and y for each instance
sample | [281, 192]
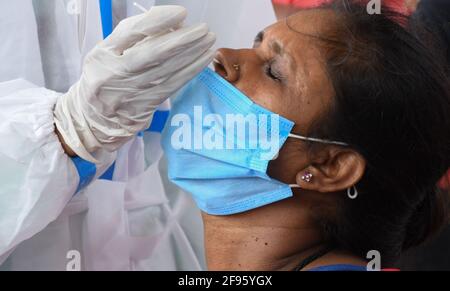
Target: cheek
[291, 160]
[269, 98]
[260, 89]
[267, 94]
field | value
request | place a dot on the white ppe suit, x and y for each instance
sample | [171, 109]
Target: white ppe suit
[132, 220]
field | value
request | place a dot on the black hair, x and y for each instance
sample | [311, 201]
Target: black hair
[392, 105]
[434, 17]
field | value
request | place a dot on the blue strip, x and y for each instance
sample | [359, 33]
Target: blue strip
[86, 172]
[340, 268]
[108, 175]
[159, 121]
[107, 17]
[107, 27]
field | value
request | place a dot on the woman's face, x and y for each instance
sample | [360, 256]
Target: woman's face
[285, 73]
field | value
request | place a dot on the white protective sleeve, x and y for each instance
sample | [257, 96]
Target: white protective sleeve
[37, 179]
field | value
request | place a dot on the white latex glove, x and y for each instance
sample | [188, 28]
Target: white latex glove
[126, 77]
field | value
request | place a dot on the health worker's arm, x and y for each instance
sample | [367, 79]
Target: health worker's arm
[37, 177]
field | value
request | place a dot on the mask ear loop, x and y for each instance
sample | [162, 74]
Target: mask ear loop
[324, 141]
[318, 140]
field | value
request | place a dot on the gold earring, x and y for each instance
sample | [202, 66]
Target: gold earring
[236, 67]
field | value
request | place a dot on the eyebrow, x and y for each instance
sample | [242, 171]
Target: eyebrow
[259, 37]
[276, 46]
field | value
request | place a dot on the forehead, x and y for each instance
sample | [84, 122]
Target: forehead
[308, 81]
[296, 36]
[299, 29]
[311, 21]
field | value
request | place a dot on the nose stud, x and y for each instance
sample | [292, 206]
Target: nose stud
[236, 67]
[307, 177]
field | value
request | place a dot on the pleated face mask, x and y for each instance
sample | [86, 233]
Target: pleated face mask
[219, 144]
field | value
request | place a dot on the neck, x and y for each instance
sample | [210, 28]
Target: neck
[273, 238]
[245, 242]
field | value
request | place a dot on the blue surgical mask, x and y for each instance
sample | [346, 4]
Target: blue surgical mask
[219, 143]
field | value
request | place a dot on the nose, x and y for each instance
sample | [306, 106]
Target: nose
[227, 64]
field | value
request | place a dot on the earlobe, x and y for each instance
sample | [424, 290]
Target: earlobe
[340, 170]
[307, 180]
[307, 177]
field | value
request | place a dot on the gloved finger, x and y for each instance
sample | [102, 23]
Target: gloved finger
[157, 95]
[161, 73]
[159, 19]
[155, 51]
[135, 113]
[186, 74]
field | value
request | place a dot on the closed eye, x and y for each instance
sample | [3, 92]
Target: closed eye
[271, 73]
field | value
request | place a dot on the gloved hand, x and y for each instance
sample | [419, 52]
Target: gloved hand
[126, 77]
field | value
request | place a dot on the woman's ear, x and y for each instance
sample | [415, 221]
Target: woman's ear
[333, 169]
